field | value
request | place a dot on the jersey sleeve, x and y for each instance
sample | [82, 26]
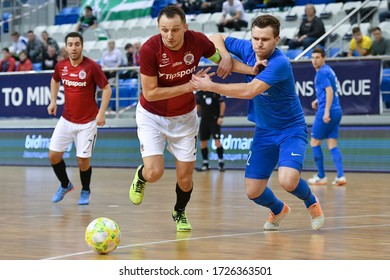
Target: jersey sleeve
[352, 45]
[148, 62]
[323, 79]
[208, 47]
[56, 74]
[99, 78]
[237, 47]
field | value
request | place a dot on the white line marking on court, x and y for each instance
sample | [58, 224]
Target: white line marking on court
[219, 236]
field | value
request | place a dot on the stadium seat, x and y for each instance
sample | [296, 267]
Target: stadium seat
[128, 93]
[332, 13]
[238, 34]
[286, 34]
[195, 25]
[37, 66]
[293, 53]
[202, 17]
[137, 31]
[210, 26]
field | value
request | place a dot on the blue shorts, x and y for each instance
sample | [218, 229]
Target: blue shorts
[321, 130]
[269, 149]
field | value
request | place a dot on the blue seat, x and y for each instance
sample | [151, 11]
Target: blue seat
[333, 52]
[128, 93]
[292, 53]
[37, 66]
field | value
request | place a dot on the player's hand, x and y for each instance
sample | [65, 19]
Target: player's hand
[314, 104]
[326, 117]
[204, 72]
[52, 108]
[259, 66]
[100, 119]
[201, 82]
[225, 66]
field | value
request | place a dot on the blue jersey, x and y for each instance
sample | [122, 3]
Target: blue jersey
[278, 107]
[324, 78]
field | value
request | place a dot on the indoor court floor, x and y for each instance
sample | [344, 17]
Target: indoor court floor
[226, 225]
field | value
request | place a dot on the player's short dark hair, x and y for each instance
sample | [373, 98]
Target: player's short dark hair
[88, 8]
[5, 49]
[171, 11]
[74, 35]
[376, 28]
[264, 21]
[320, 51]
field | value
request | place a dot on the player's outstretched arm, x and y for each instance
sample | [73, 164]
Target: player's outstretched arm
[238, 90]
[227, 64]
[152, 92]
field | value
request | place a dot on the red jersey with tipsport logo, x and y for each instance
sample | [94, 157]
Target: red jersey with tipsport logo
[173, 68]
[80, 84]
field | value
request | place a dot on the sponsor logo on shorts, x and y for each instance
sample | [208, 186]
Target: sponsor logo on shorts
[295, 155]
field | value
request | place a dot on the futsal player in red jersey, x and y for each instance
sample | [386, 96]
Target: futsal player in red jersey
[166, 112]
[80, 76]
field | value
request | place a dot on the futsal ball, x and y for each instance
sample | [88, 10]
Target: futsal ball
[103, 235]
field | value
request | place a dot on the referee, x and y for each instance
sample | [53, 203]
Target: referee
[211, 108]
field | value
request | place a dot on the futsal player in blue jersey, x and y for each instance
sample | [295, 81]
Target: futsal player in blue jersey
[327, 121]
[281, 133]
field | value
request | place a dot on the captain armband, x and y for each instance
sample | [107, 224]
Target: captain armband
[216, 57]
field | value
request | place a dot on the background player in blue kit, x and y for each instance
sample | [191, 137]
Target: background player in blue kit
[327, 122]
[281, 133]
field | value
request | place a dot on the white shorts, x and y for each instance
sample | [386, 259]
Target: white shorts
[83, 135]
[180, 132]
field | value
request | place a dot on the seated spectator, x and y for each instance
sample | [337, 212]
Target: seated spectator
[7, 64]
[279, 3]
[25, 63]
[310, 30]
[190, 7]
[34, 48]
[129, 74]
[49, 58]
[380, 45]
[111, 58]
[360, 45]
[211, 6]
[62, 54]
[48, 41]
[136, 53]
[385, 15]
[88, 20]
[19, 43]
[237, 16]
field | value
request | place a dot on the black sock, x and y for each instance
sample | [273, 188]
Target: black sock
[182, 198]
[60, 171]
[220, 153]
[85, 177]
[205, 154]
[140, 174]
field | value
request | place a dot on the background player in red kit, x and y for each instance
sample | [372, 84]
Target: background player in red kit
[166, 112]
[81, 116]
